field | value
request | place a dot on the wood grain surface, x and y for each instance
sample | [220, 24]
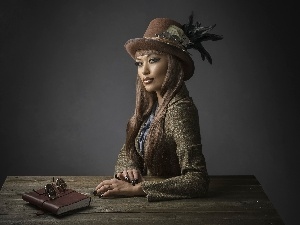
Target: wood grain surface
[231, 200]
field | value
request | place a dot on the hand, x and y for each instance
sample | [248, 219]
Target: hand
[115, 187]
[132, 176]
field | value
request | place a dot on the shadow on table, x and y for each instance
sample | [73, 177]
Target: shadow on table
[40, 212]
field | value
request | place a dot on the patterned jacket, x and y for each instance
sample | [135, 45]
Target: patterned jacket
[186, 162]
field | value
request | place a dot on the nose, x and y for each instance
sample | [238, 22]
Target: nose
[145, 69]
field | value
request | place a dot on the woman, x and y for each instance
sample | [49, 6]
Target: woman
[163, 135]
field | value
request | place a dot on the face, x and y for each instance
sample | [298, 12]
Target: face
[152, 69]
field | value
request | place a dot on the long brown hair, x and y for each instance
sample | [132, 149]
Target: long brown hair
[144, 104]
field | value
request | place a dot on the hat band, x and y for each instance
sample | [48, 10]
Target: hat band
[173, 36]
[168, 42]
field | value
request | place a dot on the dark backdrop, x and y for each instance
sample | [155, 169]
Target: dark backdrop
[68, 87]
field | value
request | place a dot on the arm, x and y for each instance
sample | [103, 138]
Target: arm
[126, 169]
[124, 162]
[182, 124]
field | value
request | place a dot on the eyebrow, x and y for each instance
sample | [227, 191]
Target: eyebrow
[148, 55]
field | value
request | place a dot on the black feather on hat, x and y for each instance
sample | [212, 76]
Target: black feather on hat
[198, 34]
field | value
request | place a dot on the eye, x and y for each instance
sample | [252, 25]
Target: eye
[138, 64]
[154, 60]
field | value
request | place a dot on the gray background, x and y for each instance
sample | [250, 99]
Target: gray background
[68, 88]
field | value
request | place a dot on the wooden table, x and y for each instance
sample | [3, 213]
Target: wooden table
[231, 200]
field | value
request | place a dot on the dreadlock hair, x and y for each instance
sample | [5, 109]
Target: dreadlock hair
[154, 144]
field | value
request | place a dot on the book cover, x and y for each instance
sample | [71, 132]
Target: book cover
[65, 201]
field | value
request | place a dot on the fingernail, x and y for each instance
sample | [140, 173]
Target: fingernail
[116, 176]
[127, 178]
[95, 192]
[133, 182]
[100, 196]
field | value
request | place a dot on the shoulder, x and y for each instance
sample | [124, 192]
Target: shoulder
[182, 120]
[181, 103]
[182, 109]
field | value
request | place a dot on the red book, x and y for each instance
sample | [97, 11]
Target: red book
[65, 201]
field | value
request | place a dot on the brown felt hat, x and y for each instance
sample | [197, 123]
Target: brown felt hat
[167, 36]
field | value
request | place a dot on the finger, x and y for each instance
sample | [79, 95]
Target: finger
[117, 176]
[104, 182]
[121, 176]
[105, 188]
[126, 177]
[130, 175]
[108, 193]
[99, 186]
[136, 175]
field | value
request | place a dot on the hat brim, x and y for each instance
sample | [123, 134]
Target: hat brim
[136, 44]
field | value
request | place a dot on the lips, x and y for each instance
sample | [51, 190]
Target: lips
[147, 80]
